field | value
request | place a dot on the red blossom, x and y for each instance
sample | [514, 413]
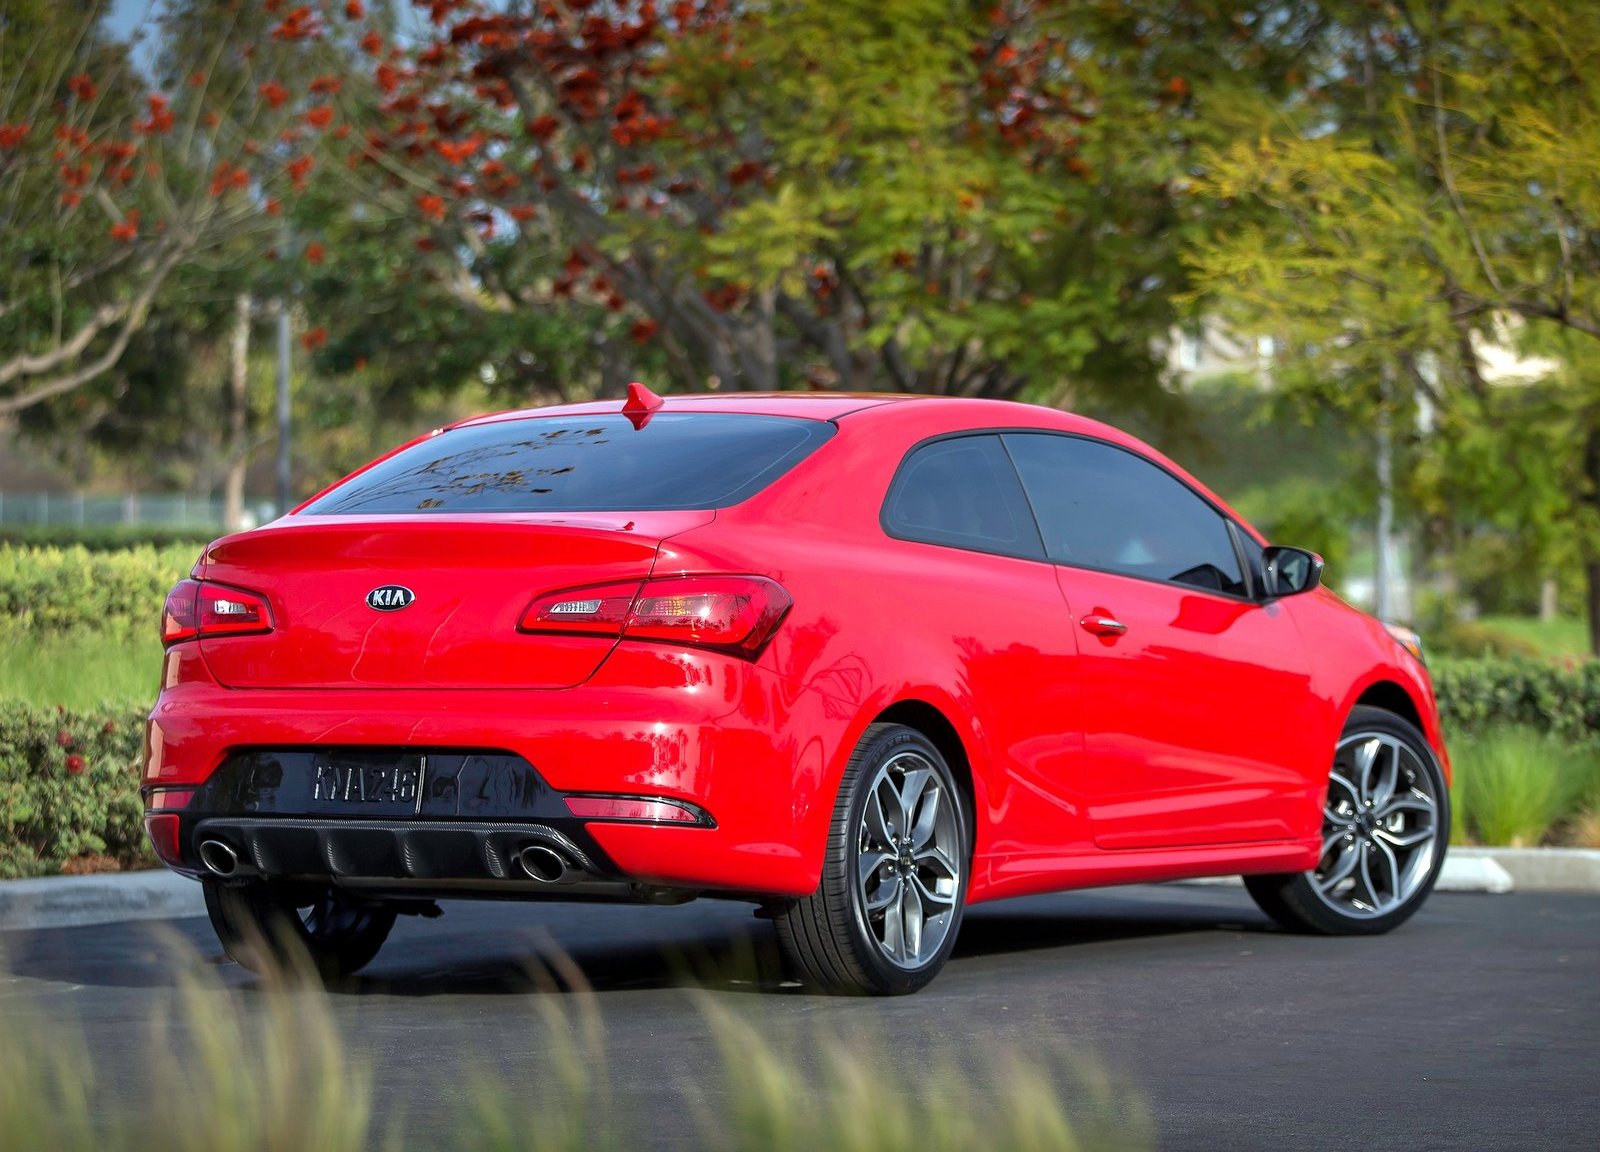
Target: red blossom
[126, 230]
[12, 135]
[75, 764]
[326, 85]
[160, 120]
[273, 93]
[320, 116]
[643, 330]
[71, 199]
[82, 87]
[372, 43]
[432, 207]
[353, 10]
[542, 128]
[274, 206]
[300, 24]
[64, 738]
[315, 253]
[228, 176]
[315, 338]
[300, 168]
[197, 80]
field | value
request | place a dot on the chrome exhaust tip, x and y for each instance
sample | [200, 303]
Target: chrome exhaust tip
[219, 857]
[545, 865]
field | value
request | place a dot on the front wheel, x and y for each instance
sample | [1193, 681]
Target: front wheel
[266, 929]
[884, 919]
[1385, 824]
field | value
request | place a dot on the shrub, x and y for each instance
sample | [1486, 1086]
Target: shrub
[56, 589]
[69, 788]
[105, 537]
[1514, 786]
[1562, 699]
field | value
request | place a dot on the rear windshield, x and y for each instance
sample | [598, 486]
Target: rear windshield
[583, 464]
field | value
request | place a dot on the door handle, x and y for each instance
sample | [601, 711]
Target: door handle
[1102, 625]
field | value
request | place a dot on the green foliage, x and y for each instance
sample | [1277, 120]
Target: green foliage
[69, 787]
[46, 590]
[102, 537]
[1477, 696]
[1516, 786]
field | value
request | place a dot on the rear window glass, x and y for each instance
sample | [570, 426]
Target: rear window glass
[583, 464]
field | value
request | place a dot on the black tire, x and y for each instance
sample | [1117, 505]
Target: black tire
[1382, 881]
[831, 939]
[272, 930]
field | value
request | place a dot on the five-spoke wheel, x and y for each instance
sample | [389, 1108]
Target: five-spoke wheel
[885, 916]
[1385, 823]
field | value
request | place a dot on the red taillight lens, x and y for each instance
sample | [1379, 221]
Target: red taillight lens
[597, 611]
[180, 619]
[196, 608]
[646, 809]
[736, 614]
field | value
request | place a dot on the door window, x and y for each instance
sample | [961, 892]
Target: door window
[1099, 506]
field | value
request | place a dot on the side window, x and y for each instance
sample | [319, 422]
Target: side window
[962, 492]
[1099, 506]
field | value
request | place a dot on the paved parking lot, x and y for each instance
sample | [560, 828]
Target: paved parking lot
[1477, 1025]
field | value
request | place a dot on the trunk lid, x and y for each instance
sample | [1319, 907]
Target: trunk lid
[470, 579]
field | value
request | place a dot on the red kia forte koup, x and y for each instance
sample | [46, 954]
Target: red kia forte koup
[860, 660]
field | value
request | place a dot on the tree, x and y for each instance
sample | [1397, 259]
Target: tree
[931, 195]
[1441, 185]
[107, 189]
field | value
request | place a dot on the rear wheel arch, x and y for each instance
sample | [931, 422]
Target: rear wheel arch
[936, 726]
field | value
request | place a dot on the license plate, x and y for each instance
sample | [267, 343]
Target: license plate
[358, 786]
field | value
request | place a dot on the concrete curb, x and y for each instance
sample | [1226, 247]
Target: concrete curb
[72, 901]
[1501, 870]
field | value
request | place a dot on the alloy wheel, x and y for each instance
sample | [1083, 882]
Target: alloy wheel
[1380, 827]
[908, 860]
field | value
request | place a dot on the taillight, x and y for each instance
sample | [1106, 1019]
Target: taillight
[736, 614]
[180, 619]
[197, 608]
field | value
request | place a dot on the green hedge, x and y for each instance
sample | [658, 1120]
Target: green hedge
[69, 787]
[106, 537]
[57, 589]
[1560, 698]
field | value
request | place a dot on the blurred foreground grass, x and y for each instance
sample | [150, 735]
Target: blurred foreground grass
[269, 1067]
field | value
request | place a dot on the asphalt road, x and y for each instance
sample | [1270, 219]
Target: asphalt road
[1477, 1025]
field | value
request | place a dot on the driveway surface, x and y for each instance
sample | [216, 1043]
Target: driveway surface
[1476, 1025]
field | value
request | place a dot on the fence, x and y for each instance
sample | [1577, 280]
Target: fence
[165, 510]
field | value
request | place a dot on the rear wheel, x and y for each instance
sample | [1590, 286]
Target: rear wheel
[884, 919]
[266, 928]
[1385, 824]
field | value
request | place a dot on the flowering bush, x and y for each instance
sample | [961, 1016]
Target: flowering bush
[69, 788]
[46, 589]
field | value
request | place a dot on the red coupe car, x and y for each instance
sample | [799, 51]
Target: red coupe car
[861, 660]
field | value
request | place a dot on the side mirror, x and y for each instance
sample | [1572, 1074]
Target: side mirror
[1290, 571]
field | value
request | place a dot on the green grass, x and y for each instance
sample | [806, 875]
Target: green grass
[1517, 787]
[1563, 636]
[79, 669]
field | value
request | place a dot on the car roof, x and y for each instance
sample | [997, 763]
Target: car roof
[811, 405]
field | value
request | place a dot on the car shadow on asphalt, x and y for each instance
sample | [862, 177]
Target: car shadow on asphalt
[720, 950]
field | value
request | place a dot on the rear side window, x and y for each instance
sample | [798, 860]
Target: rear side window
[678, 460]
[962, 492]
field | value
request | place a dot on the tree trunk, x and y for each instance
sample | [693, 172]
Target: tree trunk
[1591, 560]
[237, 453]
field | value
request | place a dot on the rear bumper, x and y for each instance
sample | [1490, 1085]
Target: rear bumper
[714, 732]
